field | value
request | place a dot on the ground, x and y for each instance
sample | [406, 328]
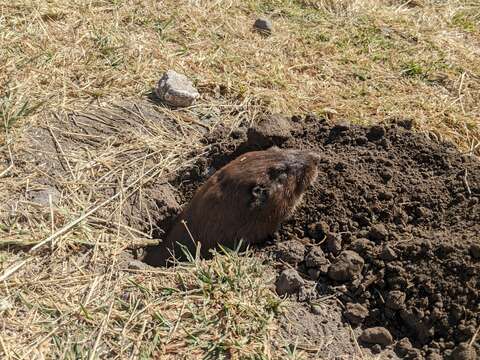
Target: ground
[68, 184]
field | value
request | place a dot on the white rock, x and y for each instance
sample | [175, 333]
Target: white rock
[176, 90]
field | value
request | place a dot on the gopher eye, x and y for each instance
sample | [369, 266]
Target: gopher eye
[278, 173]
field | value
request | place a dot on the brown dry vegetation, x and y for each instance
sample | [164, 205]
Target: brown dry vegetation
[362, 60]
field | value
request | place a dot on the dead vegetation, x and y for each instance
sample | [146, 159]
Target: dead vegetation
[358, 60]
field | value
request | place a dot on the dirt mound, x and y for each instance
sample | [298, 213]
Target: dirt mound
[393, 224]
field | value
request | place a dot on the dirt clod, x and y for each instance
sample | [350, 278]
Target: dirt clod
[348, 265]
[376, 132]
[291, 251]
[378, 233]
[355, 313]
[395, 300]
[388, 254]
[316, 259]
[475, 250]
[464, 351]
[272, 130]
[289, 282]
[376, 335]
[333, 244]
[403, 347]
[319, 230]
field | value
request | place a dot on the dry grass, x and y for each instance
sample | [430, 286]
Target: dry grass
[93, 307]
[367, 60]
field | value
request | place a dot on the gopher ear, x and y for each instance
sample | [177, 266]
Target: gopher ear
[259, 196]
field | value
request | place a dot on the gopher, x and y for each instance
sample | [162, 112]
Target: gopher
[246, 201]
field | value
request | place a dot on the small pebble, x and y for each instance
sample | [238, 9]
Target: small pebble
[176, 90]
[263, 25]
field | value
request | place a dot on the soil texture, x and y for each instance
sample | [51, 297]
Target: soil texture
[391, 228]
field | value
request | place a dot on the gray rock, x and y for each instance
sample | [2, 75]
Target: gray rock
[355, 313]
[376, 335]
[347, 266]
[137, 265]
[176, 90]
[41, 196]
[263, 25]
[289, 282]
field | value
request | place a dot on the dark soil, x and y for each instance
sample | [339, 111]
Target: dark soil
[392, 224]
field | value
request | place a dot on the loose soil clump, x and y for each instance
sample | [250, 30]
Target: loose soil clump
[392, 224]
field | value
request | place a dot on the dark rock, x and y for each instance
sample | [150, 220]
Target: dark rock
[347, 266]
[314, 274]
[355, 313]
[376, 335]
[361, 140]
[289, 282]
[378, 233]
[263, 25]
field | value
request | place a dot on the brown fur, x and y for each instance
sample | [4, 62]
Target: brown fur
[245, 200]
